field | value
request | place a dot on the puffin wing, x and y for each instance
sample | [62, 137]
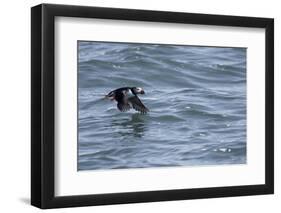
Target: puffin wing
[137, 104]
[122, 104]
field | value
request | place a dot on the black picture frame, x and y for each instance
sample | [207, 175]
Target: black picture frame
[43, 102]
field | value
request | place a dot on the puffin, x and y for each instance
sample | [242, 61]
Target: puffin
[127, 98]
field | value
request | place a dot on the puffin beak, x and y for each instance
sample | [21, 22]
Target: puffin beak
[142, 92]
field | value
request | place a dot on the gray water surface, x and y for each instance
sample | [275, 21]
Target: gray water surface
[196, 97]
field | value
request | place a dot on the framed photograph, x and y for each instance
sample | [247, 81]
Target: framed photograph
[139, 106]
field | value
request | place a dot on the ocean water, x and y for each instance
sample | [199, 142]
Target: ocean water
[197, 101]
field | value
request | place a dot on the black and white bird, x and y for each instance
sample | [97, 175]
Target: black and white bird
[127, 98]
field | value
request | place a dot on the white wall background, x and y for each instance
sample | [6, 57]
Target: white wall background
[15, 105]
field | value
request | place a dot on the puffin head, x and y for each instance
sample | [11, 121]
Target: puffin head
[138, 90]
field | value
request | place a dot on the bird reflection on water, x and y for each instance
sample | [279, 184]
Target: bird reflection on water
[134, 127]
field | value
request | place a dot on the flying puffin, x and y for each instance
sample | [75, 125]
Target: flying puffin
[127, 98]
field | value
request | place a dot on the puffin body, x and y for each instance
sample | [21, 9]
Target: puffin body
[127, 98]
